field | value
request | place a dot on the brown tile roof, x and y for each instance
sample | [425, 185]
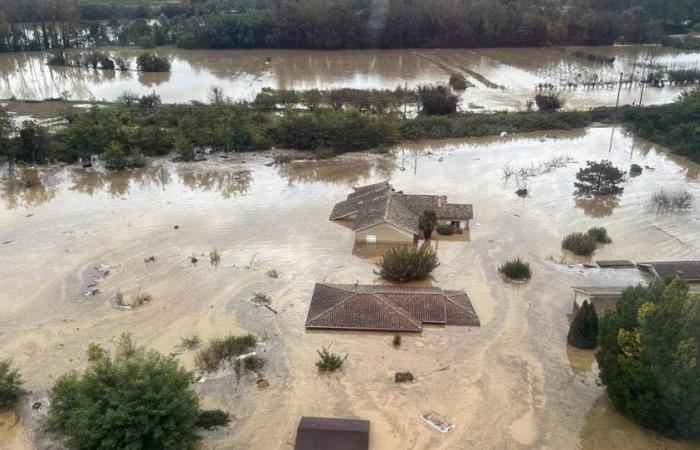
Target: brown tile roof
[378, 203]
[387, 308]
[324, 433]
[685, 270]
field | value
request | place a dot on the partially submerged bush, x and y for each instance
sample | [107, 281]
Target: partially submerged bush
[148, 62]
[406, 264]
[219, 350]
[663, 201]
[10, 385]
[261, 298]
[582, 244]
[549, 102]
[210, 418]
[600, 234]
[599, 178]
[437, 99]
[396, 342]
[135, 399]
[115, 158]
[516, 269]
[583, 332]
[191, 342]
[329, 362]
[445, 230]
[458, 82]
[214, 257]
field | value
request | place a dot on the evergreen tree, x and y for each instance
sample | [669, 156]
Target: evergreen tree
[583, 332]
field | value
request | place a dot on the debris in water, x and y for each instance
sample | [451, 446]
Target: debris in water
[522, 192]
[150, 259]
[36, 405]
[273, 273]
[193, 259]
[403, 377]
[202, 379]
[6, 242]
[436, 420]
[177, 227]
[262, 383]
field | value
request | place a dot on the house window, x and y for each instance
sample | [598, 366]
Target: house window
[372, 238]
[455, 223]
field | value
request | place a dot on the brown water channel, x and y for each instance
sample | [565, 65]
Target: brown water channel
[502, 78]
[512, 383]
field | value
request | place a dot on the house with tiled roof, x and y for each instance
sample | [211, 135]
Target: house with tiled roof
[382, 215]
[387, 308]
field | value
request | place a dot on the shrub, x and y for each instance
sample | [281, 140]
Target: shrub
[458, 82]
[184, 149]
[135, 159]
[635, 170]
[600, 234]
[114, 158]
[579, 243]
[549, 102]
[663, 201]
[148, 62]
[648, 357]
[219, 350]
[516, 269]
[446, 230]
[261, 298]
[11, 391]
[329, 362]
[599, 178]
[396, 342]
[583, 332]
[210, 418]
[191, 342]
[403, 377]
[214, 257]
[136, 399]
[437, 99]
[406, 264]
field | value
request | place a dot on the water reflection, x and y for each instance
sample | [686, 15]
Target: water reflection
[340, 171]
[597, 207]
[44, 189]
[228, 183]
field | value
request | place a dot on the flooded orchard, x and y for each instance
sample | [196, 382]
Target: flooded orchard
[68, 245]
[499, 78]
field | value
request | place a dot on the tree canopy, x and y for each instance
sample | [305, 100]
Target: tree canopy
[648, 357]
[599, 178]
[136, 399]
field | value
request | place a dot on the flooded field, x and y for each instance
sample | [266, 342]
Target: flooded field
[502, 78]
[512, 383]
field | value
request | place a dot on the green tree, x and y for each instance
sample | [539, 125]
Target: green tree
[599, 178]
[136, 399]
[583, 332]
[649, 357]
[184, 149]
[427, 223]
[10, 385]
[114, 157]
[438, 99]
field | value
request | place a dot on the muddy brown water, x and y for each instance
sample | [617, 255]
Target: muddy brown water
[512, 383]
[243, 73]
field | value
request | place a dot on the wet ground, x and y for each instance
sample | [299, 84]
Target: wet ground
[502, 78]
[512, 383]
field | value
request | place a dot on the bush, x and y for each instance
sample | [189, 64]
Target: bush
[136, 399]
[437, 99]
[191, 342]
[583, 332]
[114, 158]
[184, 149]
[329, 362]
[649, 355]
[426, 223]
[396, 342]
[600, 234]
[516, 269]
[446, 230]
[458, 82]
[407, 264]
[11, 391]
[210, 418]
[579, 243]
[214, 257]
[599, 178]
[219, 350]
[549, 102]
[148, 62]
[663, 201]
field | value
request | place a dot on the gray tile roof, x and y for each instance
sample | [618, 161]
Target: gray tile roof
[685, 270]
[387, 308]
[378, 203]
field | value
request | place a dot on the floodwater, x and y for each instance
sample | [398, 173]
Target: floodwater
[511, 383]
[503, 79]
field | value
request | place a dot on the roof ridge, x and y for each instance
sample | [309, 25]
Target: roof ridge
[408, 316]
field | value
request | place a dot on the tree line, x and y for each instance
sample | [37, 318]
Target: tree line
[336, 24]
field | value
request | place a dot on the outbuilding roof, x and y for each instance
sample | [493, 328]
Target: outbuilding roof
[324, 433]
[387, 308]
[685, 270]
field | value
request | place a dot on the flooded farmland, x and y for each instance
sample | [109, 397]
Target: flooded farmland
[511, 383]
[502, 79]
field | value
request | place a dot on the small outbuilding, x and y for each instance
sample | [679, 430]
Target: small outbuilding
[324, 433]
[688, 271]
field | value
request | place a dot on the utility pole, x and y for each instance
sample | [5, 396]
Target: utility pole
[641, 94]
[619, 87]
[405, 91]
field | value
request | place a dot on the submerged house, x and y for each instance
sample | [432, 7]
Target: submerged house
[387, 308]
[382, 215]
[688, 271]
